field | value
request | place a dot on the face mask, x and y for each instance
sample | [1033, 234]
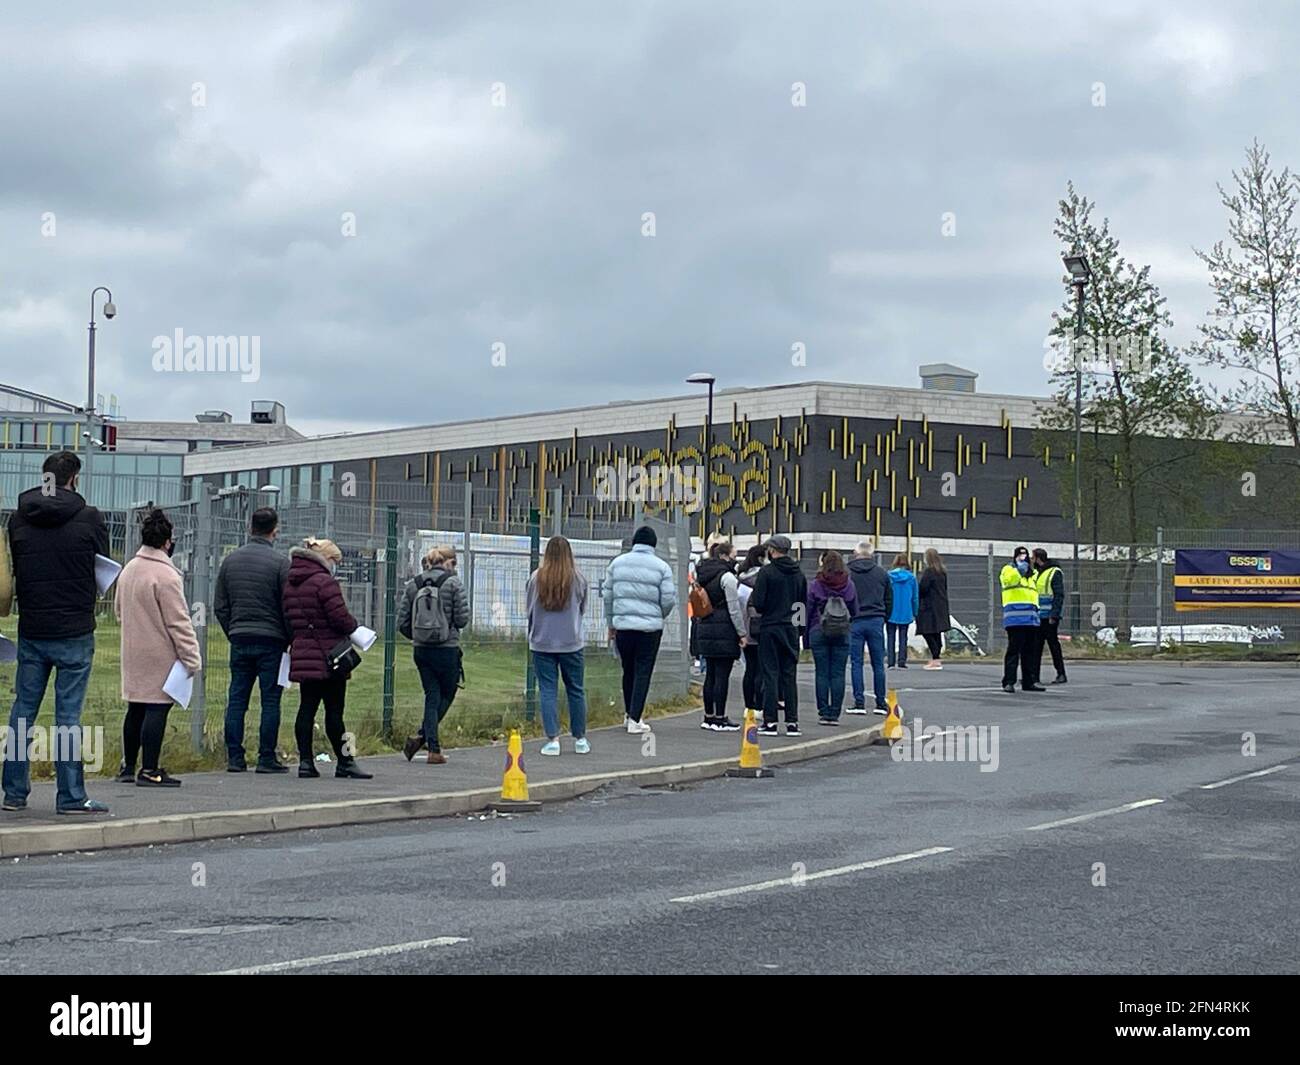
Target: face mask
[1023, 566]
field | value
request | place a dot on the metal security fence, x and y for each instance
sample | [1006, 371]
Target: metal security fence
[497, 550]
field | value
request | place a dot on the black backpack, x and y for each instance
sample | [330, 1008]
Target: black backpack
[429, 622]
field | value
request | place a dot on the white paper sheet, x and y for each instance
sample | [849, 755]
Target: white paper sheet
[363, 638]
[285, 682]
[106, 571]
[179, 685]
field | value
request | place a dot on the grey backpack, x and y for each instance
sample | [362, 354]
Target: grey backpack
[835, 617]
[429, 622]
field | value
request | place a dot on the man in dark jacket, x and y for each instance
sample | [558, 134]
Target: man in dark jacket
[780, 597]
[54, 538]
[249, 608]
[875, 601]
[1051, 604]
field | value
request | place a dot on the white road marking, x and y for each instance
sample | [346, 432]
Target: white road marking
[1099, 813]
[1244, 776]
[789, 881]
[221, 930]
[351, 955]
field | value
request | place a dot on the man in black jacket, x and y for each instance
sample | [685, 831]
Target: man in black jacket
[54, 538]
[875, 601]
[249, 608]
[780, 600]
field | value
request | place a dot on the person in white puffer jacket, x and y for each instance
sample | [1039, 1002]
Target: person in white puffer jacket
[639, 594]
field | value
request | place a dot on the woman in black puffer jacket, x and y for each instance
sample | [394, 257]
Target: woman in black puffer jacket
[718, 635]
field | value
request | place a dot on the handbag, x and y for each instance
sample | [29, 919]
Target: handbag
[343, 658]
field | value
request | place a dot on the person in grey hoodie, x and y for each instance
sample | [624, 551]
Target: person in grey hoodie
[749, 569]
[875, 601]
[557, 599]
[437, 657]
[639, 594]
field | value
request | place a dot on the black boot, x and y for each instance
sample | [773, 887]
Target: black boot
[348, 767]
[412, 746]
[306, 768]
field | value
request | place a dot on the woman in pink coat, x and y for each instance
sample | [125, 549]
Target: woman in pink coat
[156, 632]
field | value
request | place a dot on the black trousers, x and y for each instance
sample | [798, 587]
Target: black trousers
[1049, 632]
[752, 683]
[778, 655]
[143, 729]
[717, 683]
[1021, 641]
[637, 651]
[935, 642]
[440, 673]
[333, 693]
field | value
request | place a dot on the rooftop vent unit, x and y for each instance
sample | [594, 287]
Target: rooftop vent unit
[214, 416]
[267, 412]
[945, 377]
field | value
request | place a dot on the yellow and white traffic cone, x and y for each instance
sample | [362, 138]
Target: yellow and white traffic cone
[514, 782]
[751, 757]
[892, 729]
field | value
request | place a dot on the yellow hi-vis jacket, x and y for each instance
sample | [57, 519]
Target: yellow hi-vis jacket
[1049, 606]
[1019, 598]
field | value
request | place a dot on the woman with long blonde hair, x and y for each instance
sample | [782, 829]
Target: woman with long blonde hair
[557, 600]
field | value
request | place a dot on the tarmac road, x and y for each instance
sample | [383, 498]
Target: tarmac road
[854, 863]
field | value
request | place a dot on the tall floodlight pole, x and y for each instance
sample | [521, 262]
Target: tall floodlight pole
[1080, 275]
[110, 311]
[707, 379]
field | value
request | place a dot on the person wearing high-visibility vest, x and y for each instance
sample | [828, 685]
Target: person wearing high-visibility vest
[1051, 604]
[1020, 620]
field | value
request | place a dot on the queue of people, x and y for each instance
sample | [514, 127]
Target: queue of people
[270, 606]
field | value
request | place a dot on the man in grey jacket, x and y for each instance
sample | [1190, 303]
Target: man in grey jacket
[639, 593]
[249, 608]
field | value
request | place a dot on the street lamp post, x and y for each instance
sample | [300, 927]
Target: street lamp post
[707, 379]
[1080, 275]
[110, 311]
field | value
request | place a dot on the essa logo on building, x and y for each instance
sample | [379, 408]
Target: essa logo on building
[1260, 563]
[120, 1019]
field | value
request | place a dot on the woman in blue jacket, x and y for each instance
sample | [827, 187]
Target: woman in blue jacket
[906, 601]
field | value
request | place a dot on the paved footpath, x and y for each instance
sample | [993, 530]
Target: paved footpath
[217, 804]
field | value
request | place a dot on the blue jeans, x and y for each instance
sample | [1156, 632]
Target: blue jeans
[253, 661]
[549, 669]
[830, 656]
[898, 643]
[70, 659]
[869, 631]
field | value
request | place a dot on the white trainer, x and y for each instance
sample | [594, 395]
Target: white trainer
[636, 728]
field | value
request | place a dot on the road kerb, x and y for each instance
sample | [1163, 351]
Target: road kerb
[182, 828]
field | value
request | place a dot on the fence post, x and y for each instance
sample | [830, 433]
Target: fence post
[204, 536]
[390, 619]
[1160, 585]
[683, 531]
[468, 576]
[992, 588]
[534, 554]
[557, 501]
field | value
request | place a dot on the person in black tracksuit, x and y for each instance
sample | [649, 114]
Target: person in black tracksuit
[779, 599]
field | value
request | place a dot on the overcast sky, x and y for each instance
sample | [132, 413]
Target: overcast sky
[522, 225]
